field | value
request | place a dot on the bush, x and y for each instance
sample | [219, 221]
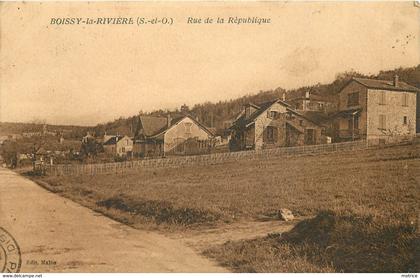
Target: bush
[159, 211]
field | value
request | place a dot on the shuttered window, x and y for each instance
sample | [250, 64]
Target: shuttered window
[271, 134]
[382, 121]
[405, 99]
[382, 98]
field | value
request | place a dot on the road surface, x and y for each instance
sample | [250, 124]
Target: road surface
[58, 235]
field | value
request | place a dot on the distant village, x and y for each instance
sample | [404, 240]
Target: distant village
[382, 111]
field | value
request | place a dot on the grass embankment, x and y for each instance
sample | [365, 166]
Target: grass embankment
[378, 187]
[330, 242]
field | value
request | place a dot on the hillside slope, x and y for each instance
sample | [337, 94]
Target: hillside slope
[214, 114]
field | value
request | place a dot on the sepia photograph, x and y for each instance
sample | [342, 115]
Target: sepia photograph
[209, 137]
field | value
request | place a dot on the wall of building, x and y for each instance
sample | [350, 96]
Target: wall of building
[394, 112]
[263, 121]
[297, 138]
[124, 146]
[179, 133]
[343, 123]
[148, 149]
[249, 136]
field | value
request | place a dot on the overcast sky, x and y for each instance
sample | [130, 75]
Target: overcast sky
[79, 74]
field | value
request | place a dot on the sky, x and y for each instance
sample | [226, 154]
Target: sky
[87, 74]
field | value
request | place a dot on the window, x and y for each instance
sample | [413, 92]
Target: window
[405, 121]
[405, 99]
[382, 98]
[382, 122]
[187, 127]
[271, 134]
[353, 99]
[301, 122]
[272, 114]
[126, 142]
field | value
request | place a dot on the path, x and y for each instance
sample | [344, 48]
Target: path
[54, 229]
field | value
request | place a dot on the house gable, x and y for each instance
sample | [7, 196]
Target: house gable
[186, 128]
[271, 115]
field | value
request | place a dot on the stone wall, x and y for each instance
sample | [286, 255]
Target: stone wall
[394, 112]
[353, 87]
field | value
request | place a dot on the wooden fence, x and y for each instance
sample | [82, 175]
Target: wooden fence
[120, 167]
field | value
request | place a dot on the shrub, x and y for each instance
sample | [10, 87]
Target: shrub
[160, 211]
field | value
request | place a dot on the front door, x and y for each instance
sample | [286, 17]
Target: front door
[309, 136]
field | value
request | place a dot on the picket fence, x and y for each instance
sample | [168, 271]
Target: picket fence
[121, 167]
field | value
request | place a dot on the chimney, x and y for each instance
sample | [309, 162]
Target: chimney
[247, 110]
[169, 120]
[284, 97]
[396, 80]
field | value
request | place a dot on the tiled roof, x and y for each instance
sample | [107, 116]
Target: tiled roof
[243, 121]
[113, 140]
[316, 117]
[386, 85]
[153, 124]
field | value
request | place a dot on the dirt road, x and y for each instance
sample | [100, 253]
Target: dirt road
[58, 235]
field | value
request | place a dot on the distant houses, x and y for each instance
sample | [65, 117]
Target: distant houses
[273, 124]
[364, 108]
[311, 100]
[118, 145]
[160, 136]
[376, 110]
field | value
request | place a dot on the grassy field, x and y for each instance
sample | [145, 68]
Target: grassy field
[364, 204]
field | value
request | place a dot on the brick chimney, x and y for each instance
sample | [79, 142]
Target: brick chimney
[396, 80]
[284, 97]
[169, 120]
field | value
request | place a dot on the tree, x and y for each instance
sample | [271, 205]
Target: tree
[9, 152]
[89, 148]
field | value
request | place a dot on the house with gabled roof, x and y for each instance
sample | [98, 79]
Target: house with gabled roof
[273, 124]
[162, 136]
[118, 145]
[376, 110]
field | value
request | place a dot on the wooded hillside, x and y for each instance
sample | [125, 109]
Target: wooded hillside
[214, 114]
